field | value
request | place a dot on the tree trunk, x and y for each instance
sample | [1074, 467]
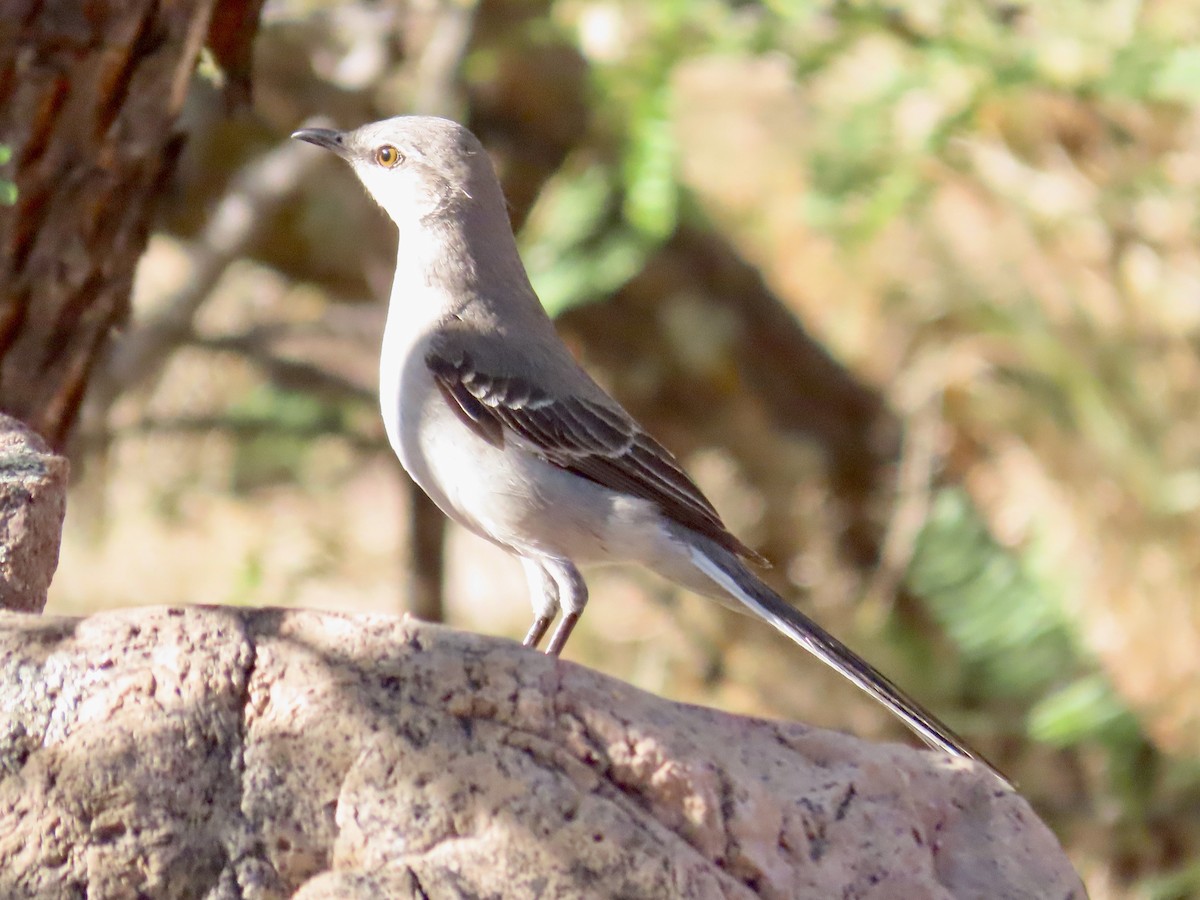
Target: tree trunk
[89, 97]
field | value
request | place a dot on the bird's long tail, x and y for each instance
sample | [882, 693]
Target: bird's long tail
[736, 579]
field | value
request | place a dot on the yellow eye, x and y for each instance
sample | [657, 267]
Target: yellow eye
[388, 156]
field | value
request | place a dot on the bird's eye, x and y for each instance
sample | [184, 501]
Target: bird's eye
[388, 156]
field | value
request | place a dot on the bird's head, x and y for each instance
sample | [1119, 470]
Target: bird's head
[418, 168]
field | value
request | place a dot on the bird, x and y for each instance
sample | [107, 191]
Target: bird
[492, 416]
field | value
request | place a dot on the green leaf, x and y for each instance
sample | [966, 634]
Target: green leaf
[591, 271]
[575, 247]
[1005, 618]
[652, 189]
[8, 190]
[1086, 708]
[209, 69]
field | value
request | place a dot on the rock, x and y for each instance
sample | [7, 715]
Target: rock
[33, 501]
[227, 752]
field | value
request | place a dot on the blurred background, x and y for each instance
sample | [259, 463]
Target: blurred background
[912, 289]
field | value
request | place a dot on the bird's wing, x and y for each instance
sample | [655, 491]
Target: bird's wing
[595, 440]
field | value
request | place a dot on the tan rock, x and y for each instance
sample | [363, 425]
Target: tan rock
[33, 501]
[261, 753]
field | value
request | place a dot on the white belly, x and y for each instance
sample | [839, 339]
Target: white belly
[507, 495]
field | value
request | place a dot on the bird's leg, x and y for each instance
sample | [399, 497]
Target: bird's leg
[537, 631]
[543, 594]
[572, 597]
[558, 640]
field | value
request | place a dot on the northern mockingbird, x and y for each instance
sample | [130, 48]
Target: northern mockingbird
[493, 418]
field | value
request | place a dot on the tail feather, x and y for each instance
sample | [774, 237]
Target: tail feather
[732, 575]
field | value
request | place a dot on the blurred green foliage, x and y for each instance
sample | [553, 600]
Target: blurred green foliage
[278, 428]
[993, 603]
[575, 246]
[1183, 884]
[1003, 609]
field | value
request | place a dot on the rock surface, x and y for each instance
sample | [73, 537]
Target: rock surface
[33, 501]
[223, 752]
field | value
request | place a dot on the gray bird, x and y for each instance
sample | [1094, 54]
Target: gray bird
[493, 418]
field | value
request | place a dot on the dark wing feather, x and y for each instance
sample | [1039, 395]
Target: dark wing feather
[590, 439]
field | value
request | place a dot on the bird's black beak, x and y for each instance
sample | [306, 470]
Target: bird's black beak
[323, 137]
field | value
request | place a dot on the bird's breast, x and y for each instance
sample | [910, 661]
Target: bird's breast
[444, 458]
